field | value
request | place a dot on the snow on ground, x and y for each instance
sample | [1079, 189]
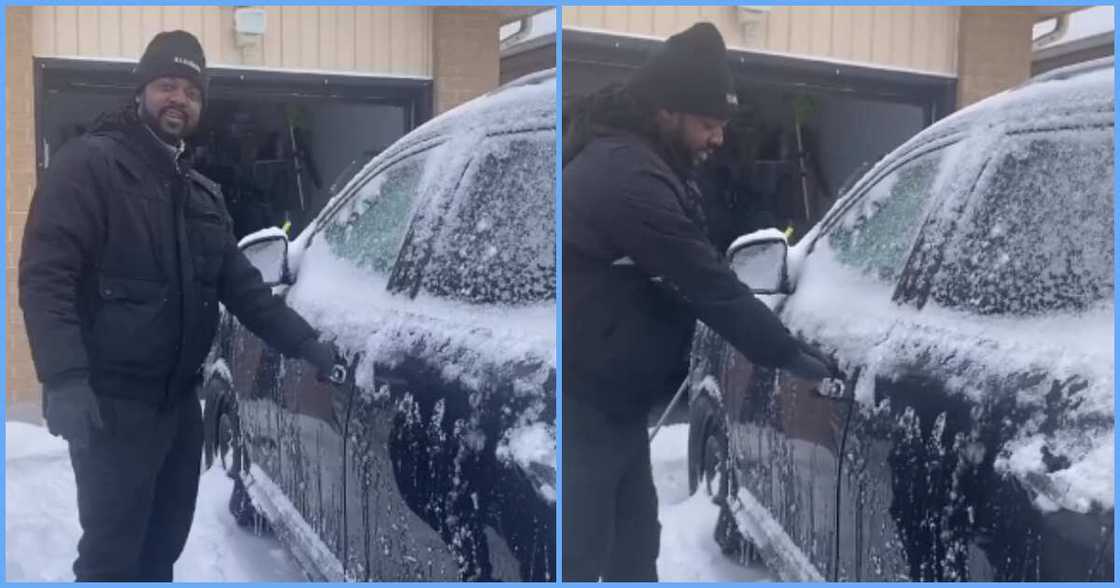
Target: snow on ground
[688, 551]
[41, 521]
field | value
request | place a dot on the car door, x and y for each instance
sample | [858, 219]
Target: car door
[844, 303]
[786, 438]
[292, 428]
[343, 288]
[435, 502]
[979, 376]
[485, 297]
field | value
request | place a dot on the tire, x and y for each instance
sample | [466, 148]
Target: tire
[709, 465]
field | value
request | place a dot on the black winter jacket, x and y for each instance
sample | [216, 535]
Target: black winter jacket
[626, 336]
[126, 255]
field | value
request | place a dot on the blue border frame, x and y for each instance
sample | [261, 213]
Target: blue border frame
[558, 197]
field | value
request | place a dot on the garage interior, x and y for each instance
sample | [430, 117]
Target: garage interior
[279, 143]
[841, 117]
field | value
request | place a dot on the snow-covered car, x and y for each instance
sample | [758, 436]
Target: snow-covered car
[964, 287]
[433, 271]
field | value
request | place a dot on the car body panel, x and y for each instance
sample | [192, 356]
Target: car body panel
[945, 404]
[411, 469]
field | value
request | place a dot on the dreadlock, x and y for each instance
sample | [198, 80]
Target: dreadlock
[615, 107]
[123, 117]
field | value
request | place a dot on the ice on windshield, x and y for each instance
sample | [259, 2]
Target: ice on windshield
[498, 244]
[878, 234]
[370, 228]
[1038, 236]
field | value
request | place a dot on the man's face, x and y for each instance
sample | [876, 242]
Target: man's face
[694, 134]
[171, 106]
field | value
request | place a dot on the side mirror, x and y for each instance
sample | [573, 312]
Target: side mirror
[269, 254]
[760, 261]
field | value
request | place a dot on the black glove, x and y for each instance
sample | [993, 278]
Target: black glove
[71, 409]
[323, 355]
[811, 364]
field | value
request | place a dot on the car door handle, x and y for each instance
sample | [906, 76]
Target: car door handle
[834, 388]
[338, 374]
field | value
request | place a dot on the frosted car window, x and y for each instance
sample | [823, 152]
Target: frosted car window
[499, 243]
[1038, 233]
[875, 236]
[369, 231]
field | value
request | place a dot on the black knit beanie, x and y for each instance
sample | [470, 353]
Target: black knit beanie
[689, 74]
[175, 54]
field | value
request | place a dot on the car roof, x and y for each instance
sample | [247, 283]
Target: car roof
[1074, 70]
[526, 103]
[1074, 94]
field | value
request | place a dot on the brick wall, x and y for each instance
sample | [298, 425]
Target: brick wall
[22, 386]
[466, 59]
[994, 50]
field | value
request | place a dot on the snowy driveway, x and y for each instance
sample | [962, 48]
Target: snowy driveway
[688, 551]
[41, 522]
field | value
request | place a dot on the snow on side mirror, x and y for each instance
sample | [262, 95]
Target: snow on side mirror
[268, 252]
[760, 261]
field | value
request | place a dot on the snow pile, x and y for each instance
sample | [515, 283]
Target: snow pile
[23, 441]
[40, 511]
[42, 531]
[689, 553]
[265, 233]
[760, 235]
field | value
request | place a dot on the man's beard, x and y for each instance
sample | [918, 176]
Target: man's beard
[152, 120]
[679, 156]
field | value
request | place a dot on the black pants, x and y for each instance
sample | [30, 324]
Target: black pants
[609, 502]
[137, 484]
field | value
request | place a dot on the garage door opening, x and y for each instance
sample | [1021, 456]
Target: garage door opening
[279, 143]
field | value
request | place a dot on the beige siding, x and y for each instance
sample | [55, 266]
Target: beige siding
[378, 39]
[922, 38]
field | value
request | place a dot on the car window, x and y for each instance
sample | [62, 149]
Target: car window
[499, 243]
[368, 231]
[875, 235]
[1038, 233]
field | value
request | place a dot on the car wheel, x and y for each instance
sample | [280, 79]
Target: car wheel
[223, 444]
[711, 463]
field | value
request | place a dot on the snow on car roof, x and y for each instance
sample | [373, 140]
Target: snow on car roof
[523, 103]
[1077, 94]
[1083, 87]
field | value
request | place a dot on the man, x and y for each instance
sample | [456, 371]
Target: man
[638, 271]
[126, 255]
